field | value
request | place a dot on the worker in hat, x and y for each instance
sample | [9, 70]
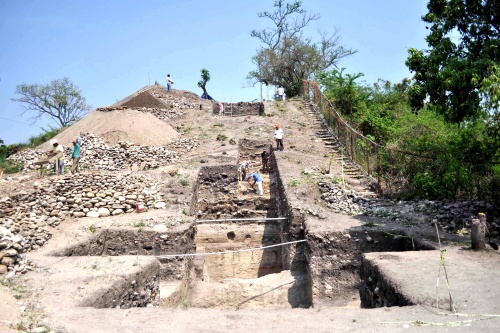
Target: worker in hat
[75, 155]
[57, 153]
[278, 136]
[257, 179]
[264, 160]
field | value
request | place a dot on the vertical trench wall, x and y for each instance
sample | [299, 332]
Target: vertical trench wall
[217, 198]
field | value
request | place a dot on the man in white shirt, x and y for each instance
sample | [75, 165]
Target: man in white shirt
[281, 93]
[278, 136]
[170, 82]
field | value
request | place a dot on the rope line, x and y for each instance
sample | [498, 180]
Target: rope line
[443, 266]
[227, 252]
[253, 219]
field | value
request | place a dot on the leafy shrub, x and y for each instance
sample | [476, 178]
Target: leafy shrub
[221, 137]
[9, 166]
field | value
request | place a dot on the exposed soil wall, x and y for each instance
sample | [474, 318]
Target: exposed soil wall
[376, 290]
[138, 241]
[335, 263]
[132, 241]
[137, 290]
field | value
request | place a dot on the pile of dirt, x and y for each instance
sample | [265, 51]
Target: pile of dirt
[145, 99]
[120, 125]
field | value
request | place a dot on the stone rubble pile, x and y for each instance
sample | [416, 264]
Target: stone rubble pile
[26, 218]
[452, 216]
[162, 114]
[338, 199]
[176, 102]
[97, 155]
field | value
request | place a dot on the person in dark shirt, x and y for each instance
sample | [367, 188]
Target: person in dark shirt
[264, 160]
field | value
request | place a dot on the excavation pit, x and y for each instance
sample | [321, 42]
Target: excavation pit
[232, 256]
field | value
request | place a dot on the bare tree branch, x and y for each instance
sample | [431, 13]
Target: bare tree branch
[60, 100]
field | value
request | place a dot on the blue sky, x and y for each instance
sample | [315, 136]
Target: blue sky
[112, 48]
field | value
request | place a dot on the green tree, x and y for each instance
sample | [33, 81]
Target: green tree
[60, 100]
[287, 56]
[205, 77]
[459, 73]
[342, 90]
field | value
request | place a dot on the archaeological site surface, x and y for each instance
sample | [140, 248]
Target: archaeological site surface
[159, 233]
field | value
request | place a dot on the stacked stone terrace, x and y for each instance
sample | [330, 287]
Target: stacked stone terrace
[97, 155]
[27, 217]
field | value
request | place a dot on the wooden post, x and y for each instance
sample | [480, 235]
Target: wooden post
[477, 234]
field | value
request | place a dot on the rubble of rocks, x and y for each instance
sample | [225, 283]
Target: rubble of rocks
[162, 114]
[138, 294]
[27, 217]
[338, 199]
[97, 155]
[177, 103]
[452, 216]
[239, 109]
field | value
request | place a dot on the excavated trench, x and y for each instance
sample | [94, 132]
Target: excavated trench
[230, 256]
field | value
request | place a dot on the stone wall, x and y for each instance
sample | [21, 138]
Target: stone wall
[27, 216]
[240, 109]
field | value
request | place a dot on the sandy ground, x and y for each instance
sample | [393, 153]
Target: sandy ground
[9, 310]
[302, 150]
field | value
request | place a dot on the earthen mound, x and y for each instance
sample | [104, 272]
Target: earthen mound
[120, 125]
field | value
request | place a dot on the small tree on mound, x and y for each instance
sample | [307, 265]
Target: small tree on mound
[205, 77]
[60, 99]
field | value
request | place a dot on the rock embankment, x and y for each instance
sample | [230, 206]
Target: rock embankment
[160, 113]
[97, 155]
[26, 218]
[452, 216]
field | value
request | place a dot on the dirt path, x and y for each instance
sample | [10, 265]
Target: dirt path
[9, 310]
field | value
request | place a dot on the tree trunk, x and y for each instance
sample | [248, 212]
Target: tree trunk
[477, 234]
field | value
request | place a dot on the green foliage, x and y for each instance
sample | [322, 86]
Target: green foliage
[287, 57]
[36, 140]
[221, 137]
[5, 151]
[205, 77]
[184, 182]
[373, 110]
[427, 156]
[9, 166]
[60, 100]
[458, 76]
[140, 224]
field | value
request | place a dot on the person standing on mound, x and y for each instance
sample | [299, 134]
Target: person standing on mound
[170, 82]
[278, 136]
